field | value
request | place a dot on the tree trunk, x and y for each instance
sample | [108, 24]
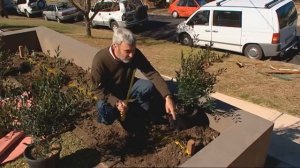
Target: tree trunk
[88, 31]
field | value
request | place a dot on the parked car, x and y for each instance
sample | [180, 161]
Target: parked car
[256, 28]
[61, 11]
[185, 8]
[30, 7]
[119, 13]
[9, 6]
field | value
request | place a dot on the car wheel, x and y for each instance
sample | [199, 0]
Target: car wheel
[58, 20]
[18, 11]
[175, 14]
[76, 19]
[186, 39]
[114, 25]
[253, 51]
[93, 25]
[27, 14]
[45, 17]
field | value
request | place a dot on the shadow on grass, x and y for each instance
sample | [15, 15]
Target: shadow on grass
[84, 158]
[291, 56]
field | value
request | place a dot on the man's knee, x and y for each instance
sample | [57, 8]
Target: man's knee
[106, 113]
[143, 86]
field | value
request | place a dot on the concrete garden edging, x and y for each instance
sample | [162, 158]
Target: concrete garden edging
[244, 137]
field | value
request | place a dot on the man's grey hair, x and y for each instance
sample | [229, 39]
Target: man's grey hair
[123, 35]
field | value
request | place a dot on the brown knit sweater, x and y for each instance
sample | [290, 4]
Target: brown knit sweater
[111, 77]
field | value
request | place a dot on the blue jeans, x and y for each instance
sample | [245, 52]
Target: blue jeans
[142, 92]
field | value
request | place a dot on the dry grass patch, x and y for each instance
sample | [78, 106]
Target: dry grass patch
[252, 84]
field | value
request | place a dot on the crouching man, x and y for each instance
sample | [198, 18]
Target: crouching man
[121, 95]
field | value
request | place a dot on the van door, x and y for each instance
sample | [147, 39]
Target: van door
[287, 20]
[227, 29]
[201, 31]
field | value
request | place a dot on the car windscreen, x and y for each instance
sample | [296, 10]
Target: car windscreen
[63, 6]
[286, 14]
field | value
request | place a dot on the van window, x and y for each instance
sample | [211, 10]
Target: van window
[286, 14]
[227, 18]
[200, 18]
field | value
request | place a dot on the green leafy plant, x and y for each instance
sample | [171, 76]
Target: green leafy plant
[50, 106]
[194, 82]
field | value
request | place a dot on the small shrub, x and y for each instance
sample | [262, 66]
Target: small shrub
[194, 82]
[50, 106]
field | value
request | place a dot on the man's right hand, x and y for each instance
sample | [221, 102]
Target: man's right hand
[122, 107]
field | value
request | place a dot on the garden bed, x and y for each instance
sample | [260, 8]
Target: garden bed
[163, 146]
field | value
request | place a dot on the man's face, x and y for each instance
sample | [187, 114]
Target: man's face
[124, 51]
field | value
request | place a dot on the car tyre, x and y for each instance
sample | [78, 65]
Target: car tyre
[186, 39]
[58, 20]
[253, 51]
[93, 25]
[18, 11]
[175, 14]
[114, 25]
[27, 14]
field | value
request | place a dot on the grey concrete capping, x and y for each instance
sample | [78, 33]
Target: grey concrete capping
[44, 39]
[243, 142]
[26, 37]
[244, 138]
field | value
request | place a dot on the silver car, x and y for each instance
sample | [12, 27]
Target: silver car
[61, 12]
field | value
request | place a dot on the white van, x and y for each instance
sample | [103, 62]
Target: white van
[256, 28]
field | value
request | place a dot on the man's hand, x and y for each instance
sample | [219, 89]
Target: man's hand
[122, 107]
[170, 107]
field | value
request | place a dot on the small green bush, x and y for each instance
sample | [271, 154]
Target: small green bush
[194, 82]
[50, 106]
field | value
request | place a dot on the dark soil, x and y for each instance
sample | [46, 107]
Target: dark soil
[159, 148]
[141, 144]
